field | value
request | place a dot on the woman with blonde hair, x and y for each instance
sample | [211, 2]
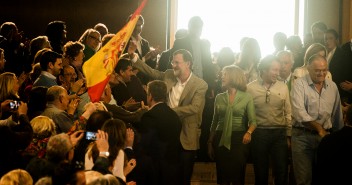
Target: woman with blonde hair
[313, 49]
[2, 60]
[16, 177]
[233, 123]
[43, 128]
[97, 178]
[8, 86]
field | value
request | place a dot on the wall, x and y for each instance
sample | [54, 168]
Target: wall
[326, 11]
[335, 14]
[346, 21]
[33, 16]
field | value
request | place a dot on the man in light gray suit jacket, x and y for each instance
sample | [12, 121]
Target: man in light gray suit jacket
[186, 96]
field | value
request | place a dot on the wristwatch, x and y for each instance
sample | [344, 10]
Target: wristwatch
[104, 154]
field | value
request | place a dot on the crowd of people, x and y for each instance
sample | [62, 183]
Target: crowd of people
[163, 110]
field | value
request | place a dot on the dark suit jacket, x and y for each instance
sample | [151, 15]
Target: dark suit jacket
[334, 157]
[165, 61]
[336, 65]
[120, 113]
[133, 89]
[145, 47]
[191, 103]
[120, 93]
[340, 68]
[160, 130]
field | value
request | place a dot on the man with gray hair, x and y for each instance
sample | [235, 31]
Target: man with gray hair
[61, 110]
[58, 149]
[316, 108]
[286, 61]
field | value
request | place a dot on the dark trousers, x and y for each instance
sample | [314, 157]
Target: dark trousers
[231, 164]
[188, 158]
[270, 145]
[169, 173]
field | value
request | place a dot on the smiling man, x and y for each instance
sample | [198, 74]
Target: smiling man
[273, 113]
[316, 109]
[51, 65]
[186, 96]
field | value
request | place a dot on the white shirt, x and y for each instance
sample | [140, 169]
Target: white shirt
[176, 91]
[330, 55]
[288, 78]
[302, 71]
[112, 101]
[118, 165]
[138, 43]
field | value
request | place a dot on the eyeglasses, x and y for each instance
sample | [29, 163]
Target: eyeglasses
[95, 38]
[318, 71]
[267, 96]
[175, 63]
[74, 75]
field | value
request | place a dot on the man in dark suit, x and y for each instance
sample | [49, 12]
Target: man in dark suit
[186, 96]
[164, 60]
[339, 65]
[334, 155]
[199, 48]
[160, 130]
[143, 48]
[117, 111]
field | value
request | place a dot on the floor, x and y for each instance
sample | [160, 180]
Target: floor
[205, 174]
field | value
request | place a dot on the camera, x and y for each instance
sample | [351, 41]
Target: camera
[91, 136]
[14, 104]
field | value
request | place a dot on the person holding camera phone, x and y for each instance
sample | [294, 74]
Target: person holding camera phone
[117, 131]
[9, 91]
[16, 133]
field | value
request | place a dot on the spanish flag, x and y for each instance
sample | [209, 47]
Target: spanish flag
[100, 66]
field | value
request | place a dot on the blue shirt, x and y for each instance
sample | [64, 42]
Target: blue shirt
[45, 79]
[308, 105]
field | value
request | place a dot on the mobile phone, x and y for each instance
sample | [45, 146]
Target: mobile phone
[14, 104]
[91, 136]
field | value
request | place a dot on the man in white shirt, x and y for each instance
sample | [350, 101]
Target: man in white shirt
[186, 96]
